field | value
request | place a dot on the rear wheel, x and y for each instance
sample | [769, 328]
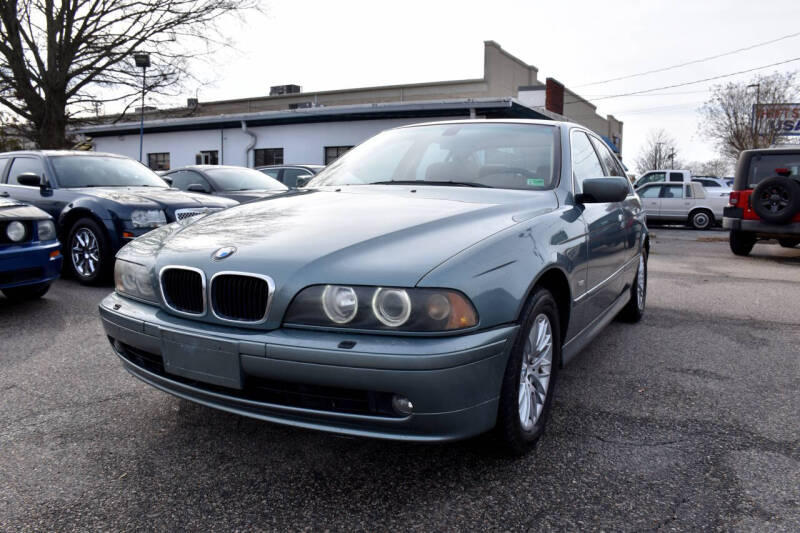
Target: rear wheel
[89, 252]
[634, 309]
[742, 242]
[701, 219]
[27, 292]
[528, 384]
[788, 243]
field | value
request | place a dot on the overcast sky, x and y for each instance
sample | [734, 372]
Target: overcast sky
[323, 45]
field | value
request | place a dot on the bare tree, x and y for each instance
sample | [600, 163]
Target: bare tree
[712, 167]
[660, 151]
[59, 59]
[728, 119]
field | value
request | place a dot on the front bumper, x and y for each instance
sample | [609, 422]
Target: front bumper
[761, 228]
[28, 264]
[453, 382]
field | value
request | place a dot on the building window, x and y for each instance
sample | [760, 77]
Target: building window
[158, 161]
[207, 157]
[268, 156]
[332, 153]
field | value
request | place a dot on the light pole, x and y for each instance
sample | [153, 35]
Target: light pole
[142, 60]
[755, 111]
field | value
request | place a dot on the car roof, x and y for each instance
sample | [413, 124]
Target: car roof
[60, 153]
[542, 122]
[773, 150]
[207, 167]
[284, 165]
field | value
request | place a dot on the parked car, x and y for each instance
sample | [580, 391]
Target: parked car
[713, 186]
[30, 255]
[99, 202]
[237, 183]
[686, 203]
[291, 175]
[428, 285]
[657, 176]
[765, 201]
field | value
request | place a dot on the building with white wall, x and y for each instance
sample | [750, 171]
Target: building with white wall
[291, 126]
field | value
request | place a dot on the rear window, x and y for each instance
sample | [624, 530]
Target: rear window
[769, 165]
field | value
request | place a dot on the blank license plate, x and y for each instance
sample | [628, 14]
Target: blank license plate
[202, 359]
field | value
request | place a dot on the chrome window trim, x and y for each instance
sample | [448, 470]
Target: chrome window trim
[203, 288]
[270, 293]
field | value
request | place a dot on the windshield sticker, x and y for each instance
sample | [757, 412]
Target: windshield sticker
[536, 182]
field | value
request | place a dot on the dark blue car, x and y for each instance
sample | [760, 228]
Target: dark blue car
[30, 256]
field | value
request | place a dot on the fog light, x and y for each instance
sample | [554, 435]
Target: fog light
[402, 405]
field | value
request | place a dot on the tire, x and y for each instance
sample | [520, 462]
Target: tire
[742, 242]
[701, 219]
[634, 309]
[26, 292]
[788, 242]
[542, 355]
[776, 200]
[89, 254]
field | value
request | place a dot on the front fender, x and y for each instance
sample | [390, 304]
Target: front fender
[100, 213]
[498, 273]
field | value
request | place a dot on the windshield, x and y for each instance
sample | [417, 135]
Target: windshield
[498, 155]
[767, 166]
[99, 171]
[243, 179]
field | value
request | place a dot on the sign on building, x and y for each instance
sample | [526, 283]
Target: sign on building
[783, 119]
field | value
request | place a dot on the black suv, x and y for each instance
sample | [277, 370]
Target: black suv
[99, 202]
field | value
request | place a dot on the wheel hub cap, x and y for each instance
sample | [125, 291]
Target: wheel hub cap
[537, 362]
[85, 252]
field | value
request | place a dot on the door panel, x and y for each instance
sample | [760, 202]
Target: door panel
[673, 203]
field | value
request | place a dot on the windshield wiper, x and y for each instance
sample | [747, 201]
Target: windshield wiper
[430, 182]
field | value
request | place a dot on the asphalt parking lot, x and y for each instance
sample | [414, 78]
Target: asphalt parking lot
[685, 421]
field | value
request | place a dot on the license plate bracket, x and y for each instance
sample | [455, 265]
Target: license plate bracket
[203, 359]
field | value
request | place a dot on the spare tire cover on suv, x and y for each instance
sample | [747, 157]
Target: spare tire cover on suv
[776, 200]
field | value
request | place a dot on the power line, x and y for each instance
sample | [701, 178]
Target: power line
[693, 62]
[689, 82]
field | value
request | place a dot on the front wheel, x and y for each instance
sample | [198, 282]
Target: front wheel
[528, 384]
[26, 292]
[742, 242]
[89, 252]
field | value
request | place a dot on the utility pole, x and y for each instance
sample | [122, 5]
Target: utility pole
[755, 117]
[671, 158]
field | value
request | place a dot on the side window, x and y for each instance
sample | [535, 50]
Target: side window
[271, 172]
[688, 190]
[3, 162]
[613, 168]
[183, 178]
[655, 177]
[650, 192]
[675, 176]
[585, 163]
[21, 165]
[672, 191]
[290, 176]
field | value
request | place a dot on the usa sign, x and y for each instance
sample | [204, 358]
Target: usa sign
[783, 119]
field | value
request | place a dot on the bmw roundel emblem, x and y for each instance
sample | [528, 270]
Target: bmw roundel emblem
[222, 253]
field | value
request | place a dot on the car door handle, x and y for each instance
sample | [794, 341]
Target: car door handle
[4, 194]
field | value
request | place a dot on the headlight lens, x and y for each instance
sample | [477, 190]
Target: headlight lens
[381, 308]
[150, 218]
[135, 280]
[15, 231]
[47, 230]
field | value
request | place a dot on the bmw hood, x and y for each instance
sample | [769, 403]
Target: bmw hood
[356, 235]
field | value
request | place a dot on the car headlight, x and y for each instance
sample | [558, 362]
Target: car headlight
[46, 230]
[381, 308]
[15, 231]
[135, 280]
[150, 218]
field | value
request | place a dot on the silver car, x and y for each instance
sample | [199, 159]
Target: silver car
[682, 202]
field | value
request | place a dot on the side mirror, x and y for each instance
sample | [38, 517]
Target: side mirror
[196, 187]
[30, 179]
[303, 180]
[603, 190]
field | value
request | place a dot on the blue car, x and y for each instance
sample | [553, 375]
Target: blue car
[30, 255]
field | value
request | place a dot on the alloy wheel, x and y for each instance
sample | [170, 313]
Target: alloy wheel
[537, 362]
[775, 199]
[85, 252]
